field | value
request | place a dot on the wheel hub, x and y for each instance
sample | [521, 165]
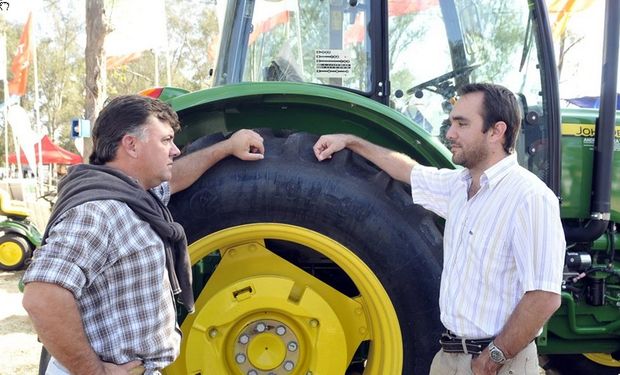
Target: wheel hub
[266, 347]
[10, 254]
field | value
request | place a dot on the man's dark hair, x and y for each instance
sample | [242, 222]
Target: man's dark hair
[499, 104]
[126, 114]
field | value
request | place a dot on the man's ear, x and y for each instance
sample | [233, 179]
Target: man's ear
[129, 145]
[498, 130]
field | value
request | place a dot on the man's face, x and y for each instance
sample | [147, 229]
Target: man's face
[469, 145]
[156, 150]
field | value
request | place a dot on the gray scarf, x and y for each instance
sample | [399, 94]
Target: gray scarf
[87, 182]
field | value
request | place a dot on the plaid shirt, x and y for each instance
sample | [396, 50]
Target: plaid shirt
[115, 266]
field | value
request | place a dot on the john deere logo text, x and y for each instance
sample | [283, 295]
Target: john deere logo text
[583, 130]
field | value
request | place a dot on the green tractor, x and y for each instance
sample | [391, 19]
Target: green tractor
[303, 267]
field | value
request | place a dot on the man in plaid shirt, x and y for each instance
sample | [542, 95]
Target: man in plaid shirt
[100, 291]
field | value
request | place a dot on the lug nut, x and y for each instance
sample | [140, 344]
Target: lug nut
[289, 365]
[252, 372]
[261, 327]
[244, 339]
[281, 330]
[292, 346]
[240, 358]
[213, 332]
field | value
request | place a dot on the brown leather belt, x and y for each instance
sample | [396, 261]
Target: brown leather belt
[451, 343]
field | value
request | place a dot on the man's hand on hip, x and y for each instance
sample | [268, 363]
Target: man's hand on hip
[483, 365]
[129, 368]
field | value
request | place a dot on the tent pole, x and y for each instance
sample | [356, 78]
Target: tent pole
[37, 116]
[5, 85]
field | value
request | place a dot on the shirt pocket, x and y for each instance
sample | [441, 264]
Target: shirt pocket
[491, 255]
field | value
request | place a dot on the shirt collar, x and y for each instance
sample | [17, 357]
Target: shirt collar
[494, 174]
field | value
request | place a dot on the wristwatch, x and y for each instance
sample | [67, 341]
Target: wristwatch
[497, 355]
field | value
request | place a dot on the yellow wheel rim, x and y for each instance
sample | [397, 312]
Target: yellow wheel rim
[604, 359]
[11, 254]
[260, 314]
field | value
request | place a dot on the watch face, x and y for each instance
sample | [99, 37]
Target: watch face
[497, 355]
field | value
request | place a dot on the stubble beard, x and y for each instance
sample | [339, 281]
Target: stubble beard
[469, 158]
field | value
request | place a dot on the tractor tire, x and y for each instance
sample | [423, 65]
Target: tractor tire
[319, 267]
[585, 364]
[15, 251]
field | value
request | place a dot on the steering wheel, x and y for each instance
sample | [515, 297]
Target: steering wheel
[440, 84]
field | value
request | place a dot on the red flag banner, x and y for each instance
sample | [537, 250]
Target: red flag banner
[268, 24]
[270, 14]
[357, 32]
[400, 7]
[21, 61]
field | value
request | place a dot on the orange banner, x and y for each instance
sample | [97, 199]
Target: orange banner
[21, 61]
[113, 62]
[565, 9]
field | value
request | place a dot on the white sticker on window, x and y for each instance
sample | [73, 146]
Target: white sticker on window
[332, 63]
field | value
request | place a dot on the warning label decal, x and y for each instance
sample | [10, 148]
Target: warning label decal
[332, 63]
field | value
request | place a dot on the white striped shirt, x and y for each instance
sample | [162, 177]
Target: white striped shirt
[503, 242]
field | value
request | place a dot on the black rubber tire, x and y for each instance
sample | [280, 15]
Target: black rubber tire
[347, 199]
[578, 364]
[24, 247]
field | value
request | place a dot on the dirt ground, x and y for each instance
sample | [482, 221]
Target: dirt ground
[19, 353]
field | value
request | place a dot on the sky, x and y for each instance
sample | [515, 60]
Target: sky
[18, 10]
[131, 33]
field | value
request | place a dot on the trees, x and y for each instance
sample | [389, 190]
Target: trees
[95, 75]
[191, 49]
[61, 63]
[70, 60]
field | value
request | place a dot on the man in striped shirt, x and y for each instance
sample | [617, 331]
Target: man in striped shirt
[503, 241]
[100, 291]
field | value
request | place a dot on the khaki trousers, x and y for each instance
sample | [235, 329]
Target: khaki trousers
[524, 363]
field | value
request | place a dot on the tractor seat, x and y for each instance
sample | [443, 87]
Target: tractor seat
[12, 208]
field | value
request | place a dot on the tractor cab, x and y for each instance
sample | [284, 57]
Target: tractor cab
[409, 55]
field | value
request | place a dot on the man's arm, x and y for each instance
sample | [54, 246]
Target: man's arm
[57, 321]
[534, 309]
[395, 164]
[244, 144]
